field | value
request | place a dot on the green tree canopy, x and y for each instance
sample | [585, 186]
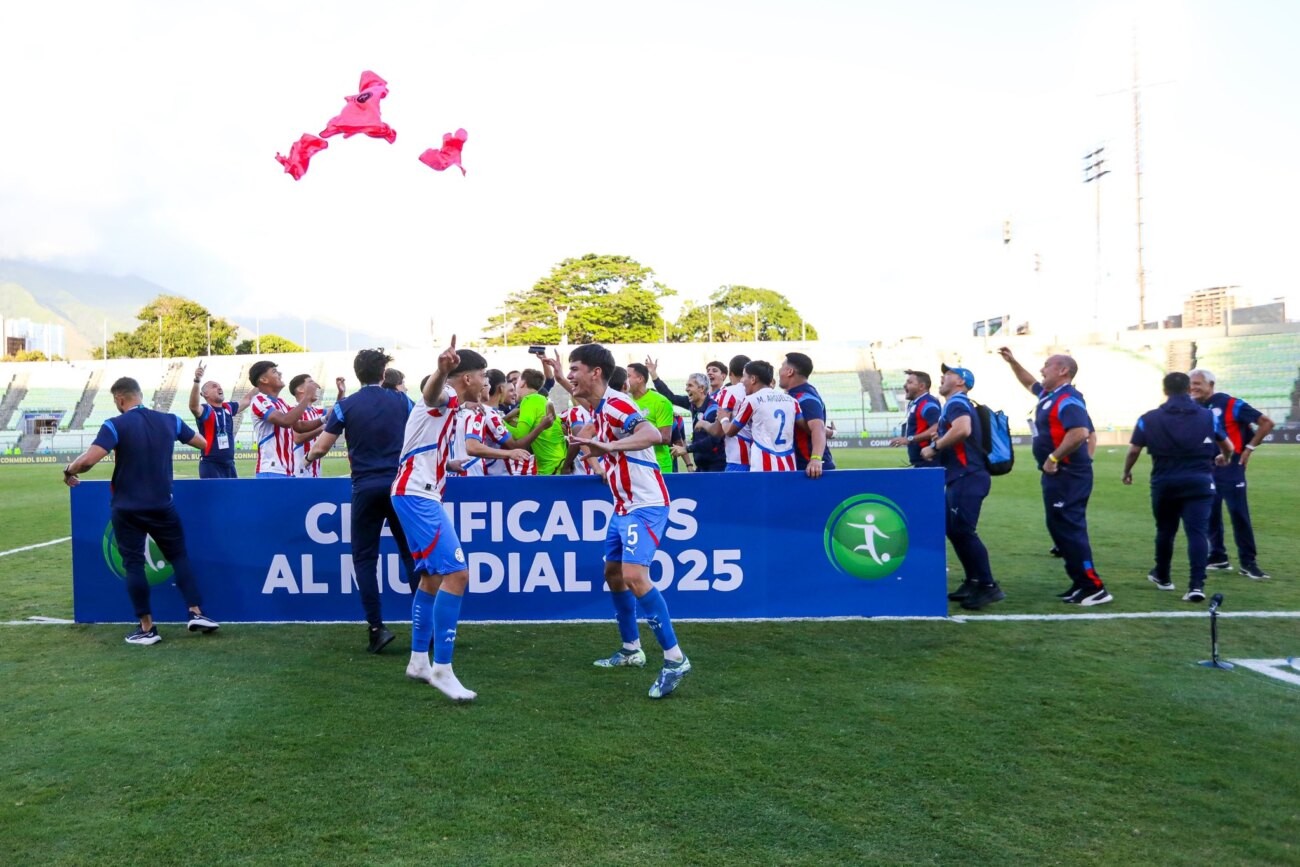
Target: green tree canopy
[600, 299]
[184, 328]
[736, 310]
[270, 343]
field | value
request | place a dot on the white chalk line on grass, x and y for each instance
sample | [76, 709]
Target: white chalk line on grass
[34, 547]
[957, 618]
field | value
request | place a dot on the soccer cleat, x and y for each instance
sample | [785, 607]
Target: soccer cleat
[203, 622]
[141, 637]
[622, 656]
[1088, 596]
[983, 594]
[964, 590]
[380, 638]
[1195, 594]
[1160, 585]
[669, 677]
[1220, 565]
[1253, 571]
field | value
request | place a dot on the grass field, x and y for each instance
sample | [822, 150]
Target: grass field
[1085, 741]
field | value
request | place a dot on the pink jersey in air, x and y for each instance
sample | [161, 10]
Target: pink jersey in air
[449, 154]
[301, 153]
[361, 112]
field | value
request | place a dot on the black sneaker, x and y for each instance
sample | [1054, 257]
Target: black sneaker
[1092, 596]
[204, 622]
[984, 594]
[141, 637]
[1056, 552]
[1166, 584]
[1195, 594]
[1253, 571]
[963, 591]
[1068, 595]
[1220, 565]
[380, 638]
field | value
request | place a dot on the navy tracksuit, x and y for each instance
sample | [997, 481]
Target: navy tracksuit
[966, 484]
[1237, 418]
[923, 413]
[1066, 492]
[1181, 437]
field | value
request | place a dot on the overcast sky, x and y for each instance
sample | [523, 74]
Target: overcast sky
[858, 157]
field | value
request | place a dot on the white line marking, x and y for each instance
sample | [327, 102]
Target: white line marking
[34, 547]
[1270, 667]
[957, 618]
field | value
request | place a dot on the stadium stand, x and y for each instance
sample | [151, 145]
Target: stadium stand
[1262, 369]
[54, 388]
[146, 371]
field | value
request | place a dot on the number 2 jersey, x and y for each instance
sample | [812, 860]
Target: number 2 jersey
[633, 477]
[422, 468]
[771, 416]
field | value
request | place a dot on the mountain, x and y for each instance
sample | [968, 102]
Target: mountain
[82, 302]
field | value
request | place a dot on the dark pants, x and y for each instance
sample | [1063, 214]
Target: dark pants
[217, 470]
[371, 506]
[1230, 488]
[1065, 503]
[130, 528]
[963, 499]
[1188, 500]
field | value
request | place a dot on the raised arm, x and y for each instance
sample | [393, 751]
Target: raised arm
[1026, 378]
[447, 362]
[195, 409]
[321, 447]
[292, 418]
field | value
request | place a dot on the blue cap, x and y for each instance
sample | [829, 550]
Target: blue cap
[966, 375]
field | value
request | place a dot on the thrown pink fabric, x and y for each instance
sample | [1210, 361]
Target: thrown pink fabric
[361, 114]
[448, 154]
[301, 153]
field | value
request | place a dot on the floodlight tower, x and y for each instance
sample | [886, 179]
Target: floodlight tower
[1093, 171]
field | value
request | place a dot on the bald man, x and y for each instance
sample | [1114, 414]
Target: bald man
[1061, 432]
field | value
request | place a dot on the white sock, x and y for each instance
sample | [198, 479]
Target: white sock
[674, 654]
[420, 659]
[631, 646]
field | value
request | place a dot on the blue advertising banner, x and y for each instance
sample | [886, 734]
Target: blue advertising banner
[757, 545]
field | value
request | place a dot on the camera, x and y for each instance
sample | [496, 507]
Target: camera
[537, 350]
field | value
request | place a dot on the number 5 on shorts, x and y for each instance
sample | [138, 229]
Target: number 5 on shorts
[631, 536]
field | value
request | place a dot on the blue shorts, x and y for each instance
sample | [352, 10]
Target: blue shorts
[634, 537]
[737, 468]
[272, 476]
[433, 542]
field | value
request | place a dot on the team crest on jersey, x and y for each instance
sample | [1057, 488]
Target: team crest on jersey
[460, 556]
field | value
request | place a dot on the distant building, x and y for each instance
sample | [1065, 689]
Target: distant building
[41, 336]
[1209, 307]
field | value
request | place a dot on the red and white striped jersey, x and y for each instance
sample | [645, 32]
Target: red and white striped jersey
[770, 415]
[730, 399]
[492, 431]
[456, 448]
[301, 468]
[634, 478]
[274, 444]
[422, 468]
[575, 418]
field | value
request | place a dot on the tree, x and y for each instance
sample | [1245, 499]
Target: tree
[270, 343]
[596, 298]
[184, 329]
[741, 313]
[30, 355]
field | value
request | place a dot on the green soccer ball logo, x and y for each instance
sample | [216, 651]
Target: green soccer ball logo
[866, 537]
[156, 568]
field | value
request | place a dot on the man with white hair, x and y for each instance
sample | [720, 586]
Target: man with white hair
[1245, 427]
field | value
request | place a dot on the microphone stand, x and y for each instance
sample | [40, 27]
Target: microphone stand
[1214, 661]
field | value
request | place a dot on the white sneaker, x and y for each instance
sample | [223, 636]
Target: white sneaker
[445, 680]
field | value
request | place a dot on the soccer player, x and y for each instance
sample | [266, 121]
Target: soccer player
[657, 410]
[142, 501]
[274, 424]
[623, 436]
[216, 422]
[487, 437]
[303, 468]
[1061, 431]
[1180, 436]
[812, 450]
[923, 413]
[966, 484]
[534, 412]
[373, 420]
[417, 498]
[729, 399]
[1245, 427]
[770, 416]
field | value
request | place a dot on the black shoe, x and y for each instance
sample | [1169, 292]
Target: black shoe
[1088, 596]
[963, 591]
[1253, 571]
[1166, 584]
[204, 622]
[984, 594]
[1220, 565]
[380, 638]
[1068, 595]
[1195, 594]
[144, 638]
[1056, 552]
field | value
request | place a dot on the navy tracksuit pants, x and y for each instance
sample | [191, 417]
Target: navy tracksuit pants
[1187, 499]
[1065, 503]
[964, 497]
[1230, 490]
[371, 506]
[130, 527]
